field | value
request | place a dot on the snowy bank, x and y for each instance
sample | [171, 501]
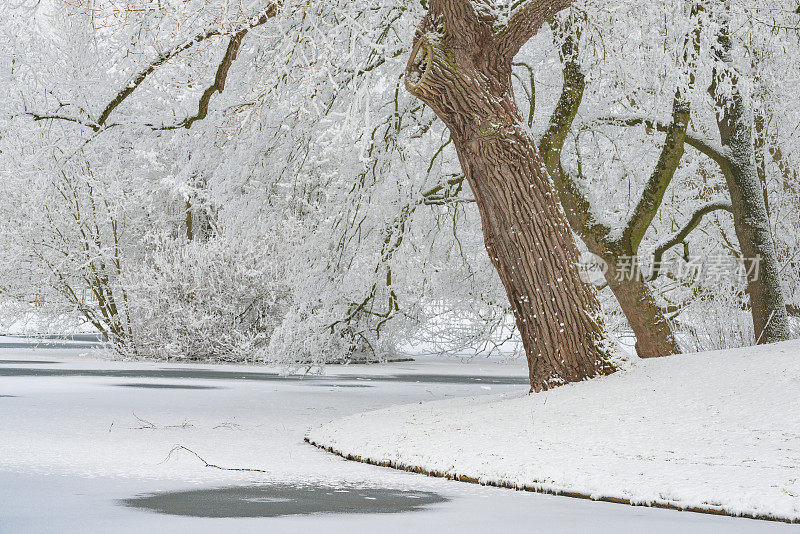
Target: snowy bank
[716, 432]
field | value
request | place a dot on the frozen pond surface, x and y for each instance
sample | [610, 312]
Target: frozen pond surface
[207, 374]
[145, 385]
[88, 446]
[283, 499]
[27, 362]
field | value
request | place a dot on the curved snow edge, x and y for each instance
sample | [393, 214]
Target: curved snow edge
[716, 432]
[545, 489]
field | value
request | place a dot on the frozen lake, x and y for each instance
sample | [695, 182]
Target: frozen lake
[90, 446]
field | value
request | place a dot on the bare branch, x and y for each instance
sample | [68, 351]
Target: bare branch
[713, 150]
[182, 448]
[668, 161]
[684, 232]
[218, 84]
[525, 22]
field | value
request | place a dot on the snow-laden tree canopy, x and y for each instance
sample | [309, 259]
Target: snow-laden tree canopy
[236, 179]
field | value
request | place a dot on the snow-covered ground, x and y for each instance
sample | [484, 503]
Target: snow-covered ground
[715, 431]
[78, 435]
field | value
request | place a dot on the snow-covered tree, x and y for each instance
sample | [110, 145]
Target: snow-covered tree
[251, 180]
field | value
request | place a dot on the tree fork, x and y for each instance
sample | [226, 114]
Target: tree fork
[654, 335]
[460, 66]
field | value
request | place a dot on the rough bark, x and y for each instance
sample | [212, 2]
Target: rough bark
[767, 303]
[654, 335]
[460, 66]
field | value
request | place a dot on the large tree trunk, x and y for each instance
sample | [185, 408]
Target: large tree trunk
[767, 303]
[531, 246]
[654, 335]
[460, 66]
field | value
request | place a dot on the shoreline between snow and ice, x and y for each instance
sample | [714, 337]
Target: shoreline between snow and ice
[715, 433]
[541, 489]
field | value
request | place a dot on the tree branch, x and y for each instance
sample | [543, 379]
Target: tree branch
[37, 117]
[443, 201]
[219, 81]
[461, 18]
[709, 148]
[525, 22]
[162, 58]
[576, 205]
[653, 193]
[530, 93]
[267, 14]
[456, 179]
[182, 448]
[683, 233]
[144, 73]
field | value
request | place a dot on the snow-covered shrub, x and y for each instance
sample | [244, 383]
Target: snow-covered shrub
[214, 300]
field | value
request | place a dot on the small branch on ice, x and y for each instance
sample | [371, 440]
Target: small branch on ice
[181, 447]
[185, 424]
[228, 424]
[145, 423]
[148, 425]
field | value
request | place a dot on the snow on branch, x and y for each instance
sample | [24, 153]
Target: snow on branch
[267, 14]
[218, 84]
[37, 117]
[713, 150]
[668, 161]
[684, 232]
[142, 75]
